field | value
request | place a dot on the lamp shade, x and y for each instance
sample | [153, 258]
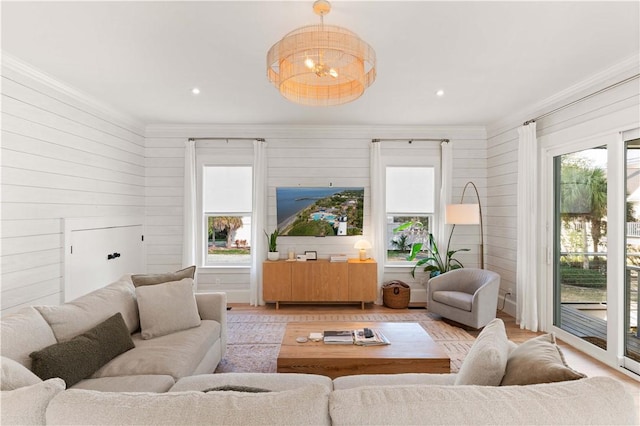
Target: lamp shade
[462, 214]
[362, 244]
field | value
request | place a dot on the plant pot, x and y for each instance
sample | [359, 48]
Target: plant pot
[273, 255]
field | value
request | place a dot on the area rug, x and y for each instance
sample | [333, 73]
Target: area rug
[254, 340]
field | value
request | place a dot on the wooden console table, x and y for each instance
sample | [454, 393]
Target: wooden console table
[320, 281]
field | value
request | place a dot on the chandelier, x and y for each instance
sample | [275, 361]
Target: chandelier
[321, 65]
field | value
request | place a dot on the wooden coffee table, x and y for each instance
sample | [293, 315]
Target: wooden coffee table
[411, 350]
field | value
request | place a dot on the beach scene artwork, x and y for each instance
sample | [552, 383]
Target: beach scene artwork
[320, 211]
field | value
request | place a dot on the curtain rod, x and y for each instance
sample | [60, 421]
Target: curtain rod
[584, 98]
[227, 139]
[410, 140]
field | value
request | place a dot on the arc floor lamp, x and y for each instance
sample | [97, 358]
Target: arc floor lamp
[467, 214]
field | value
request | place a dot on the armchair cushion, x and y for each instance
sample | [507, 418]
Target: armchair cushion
[457, 299]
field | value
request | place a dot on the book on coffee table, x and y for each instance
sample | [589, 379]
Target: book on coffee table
[338, 337]
[377, 338]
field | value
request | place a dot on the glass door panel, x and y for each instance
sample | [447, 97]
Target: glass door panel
[632, 251]
[580, 244]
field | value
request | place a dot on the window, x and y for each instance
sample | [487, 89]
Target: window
[227, 207]
[410, 197]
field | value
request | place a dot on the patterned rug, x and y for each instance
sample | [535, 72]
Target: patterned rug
[254, 340]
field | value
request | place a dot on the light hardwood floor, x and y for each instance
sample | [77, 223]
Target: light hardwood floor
[575, 358]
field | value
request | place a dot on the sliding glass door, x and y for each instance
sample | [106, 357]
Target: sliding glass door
[580, 244]
[632, 255]
[594, 246]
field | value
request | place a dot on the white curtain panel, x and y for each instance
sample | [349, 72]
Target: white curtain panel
[258, 221]
[378, 217]
[527, 309]
[189, 208]
[446, 165]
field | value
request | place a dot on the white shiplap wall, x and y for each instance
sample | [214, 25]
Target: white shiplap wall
[609, 111]
[63, 155]
[297, 156]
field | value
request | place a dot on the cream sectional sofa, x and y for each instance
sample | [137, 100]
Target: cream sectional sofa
[301, 399]
[153, 365]
[152, 385]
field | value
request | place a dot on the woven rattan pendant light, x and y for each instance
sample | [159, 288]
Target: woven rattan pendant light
[321, 65]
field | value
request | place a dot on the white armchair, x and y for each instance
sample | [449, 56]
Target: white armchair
[467, 295]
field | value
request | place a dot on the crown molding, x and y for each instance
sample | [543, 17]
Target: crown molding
[611, 75]
[302, 131]
[97, 107]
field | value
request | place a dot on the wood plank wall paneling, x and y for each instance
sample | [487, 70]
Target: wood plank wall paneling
[61, 157]
[297, 159]
[601, 113]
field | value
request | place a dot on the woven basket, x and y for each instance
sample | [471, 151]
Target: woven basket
[396, 295]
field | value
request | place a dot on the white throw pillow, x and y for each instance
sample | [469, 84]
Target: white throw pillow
[28, 405]
[486, 361]
[16, 375]
[167, 308]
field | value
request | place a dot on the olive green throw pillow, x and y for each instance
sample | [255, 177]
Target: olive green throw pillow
[152, 279]
[236, 388]
[83, 355]
[538, 360]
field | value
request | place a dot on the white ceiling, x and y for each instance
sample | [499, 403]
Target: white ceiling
[491, 58]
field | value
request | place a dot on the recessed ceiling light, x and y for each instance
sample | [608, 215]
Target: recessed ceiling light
[195, 91]
[440, 92]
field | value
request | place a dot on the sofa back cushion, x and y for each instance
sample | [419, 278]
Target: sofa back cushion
[306, 405]
[15, 375]
[28, 405]
[599, 400]
[85, 312]
[23, 332]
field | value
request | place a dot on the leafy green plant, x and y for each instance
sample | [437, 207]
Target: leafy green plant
[434, 263]
[272, 240]
[401, 242]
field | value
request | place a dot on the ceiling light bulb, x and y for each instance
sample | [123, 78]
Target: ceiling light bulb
[309, 63]
[333, 73]
[440, 92]
[195, 91]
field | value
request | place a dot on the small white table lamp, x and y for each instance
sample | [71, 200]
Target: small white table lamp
[363, 245]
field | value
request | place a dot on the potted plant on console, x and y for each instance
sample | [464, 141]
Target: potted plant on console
[272, 242]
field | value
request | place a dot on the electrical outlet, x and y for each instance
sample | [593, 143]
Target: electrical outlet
[510, 290]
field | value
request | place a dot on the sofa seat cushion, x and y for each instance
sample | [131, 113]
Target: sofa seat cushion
[359, 380]
[597, 401]
[176, 355]
[270, 381]
[79, 315]
[308, 405]
[457, 299]
[140, 383]
[23, 332]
